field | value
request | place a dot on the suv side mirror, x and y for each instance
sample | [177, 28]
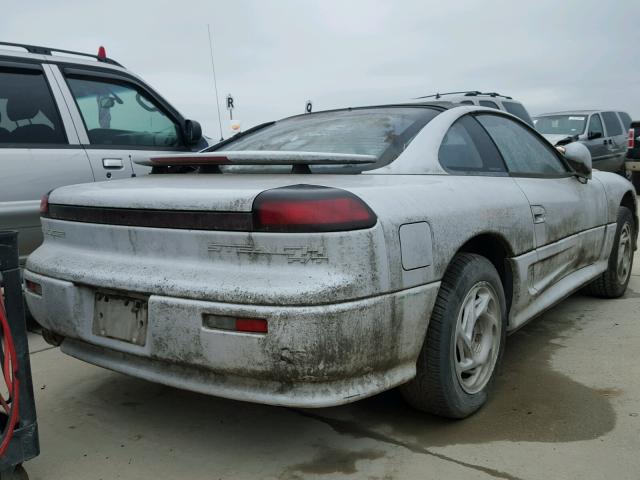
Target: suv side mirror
[593, 135]
[579, 158]
[192, 132]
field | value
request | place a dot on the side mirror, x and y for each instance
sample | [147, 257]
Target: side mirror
[579, 158]
[192, 132]
[593, 135]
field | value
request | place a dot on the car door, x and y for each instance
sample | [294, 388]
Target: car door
[39, 148]
[568, 215]
[616, 142]
[119, 121]
[596, 142]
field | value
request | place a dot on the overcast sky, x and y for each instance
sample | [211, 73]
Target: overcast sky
[273, 55]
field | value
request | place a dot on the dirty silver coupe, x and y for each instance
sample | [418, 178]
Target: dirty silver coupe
[323, 258]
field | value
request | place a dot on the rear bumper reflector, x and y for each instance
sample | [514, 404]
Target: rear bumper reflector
[178, 219]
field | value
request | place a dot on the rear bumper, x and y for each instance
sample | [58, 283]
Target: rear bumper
[313, 356]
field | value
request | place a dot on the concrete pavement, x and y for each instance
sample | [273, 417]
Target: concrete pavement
[567, 406]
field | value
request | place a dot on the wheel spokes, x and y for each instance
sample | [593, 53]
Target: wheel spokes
[477, 337]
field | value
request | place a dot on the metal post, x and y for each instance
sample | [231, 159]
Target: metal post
[25, 444]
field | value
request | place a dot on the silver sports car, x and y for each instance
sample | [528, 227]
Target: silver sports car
[326, 257]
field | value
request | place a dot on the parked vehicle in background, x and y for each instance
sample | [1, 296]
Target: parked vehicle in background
[71, 119]
[603, 132]
[324, 258]
[632, 163]
[482, 99]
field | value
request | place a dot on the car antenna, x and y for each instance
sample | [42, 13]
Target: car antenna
[215, 83]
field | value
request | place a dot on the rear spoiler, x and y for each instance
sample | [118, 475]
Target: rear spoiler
[258, 157]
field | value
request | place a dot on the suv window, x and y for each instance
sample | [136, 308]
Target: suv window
[612, 123]
[518, 110]
[626, 120]
[595, 125]
[466, 102]
[28, 113]
[117, 113]
[488, 103]
[467, 148]
[522, 151]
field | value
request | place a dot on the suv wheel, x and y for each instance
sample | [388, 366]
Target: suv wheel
[464, 341]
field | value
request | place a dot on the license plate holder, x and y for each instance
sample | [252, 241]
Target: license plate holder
[121, 317]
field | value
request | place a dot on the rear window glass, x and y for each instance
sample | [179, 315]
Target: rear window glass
[383, 132]
[518, 110]
[626, 120]
[612, 123]
[488, 103]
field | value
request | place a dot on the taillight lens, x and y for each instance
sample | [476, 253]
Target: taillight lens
[44, 204]
[632, 138]
[310, 208]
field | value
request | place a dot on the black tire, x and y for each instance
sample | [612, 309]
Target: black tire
[610, 284]
[437, 388]
[635, 179]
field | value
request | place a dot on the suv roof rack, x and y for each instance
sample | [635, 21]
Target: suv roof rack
[49, 51]
[467, 93]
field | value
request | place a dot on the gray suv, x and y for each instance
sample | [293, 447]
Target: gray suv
[67, 120]
[603, 132]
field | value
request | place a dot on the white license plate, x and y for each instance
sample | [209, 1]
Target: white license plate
[120, 317]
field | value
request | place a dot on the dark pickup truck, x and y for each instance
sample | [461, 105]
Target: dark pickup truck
[632, 163]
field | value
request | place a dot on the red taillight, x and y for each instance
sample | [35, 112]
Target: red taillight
[33, 287]
[102, 53]
[44, 204]
[632, 138]
[251, 325]
[308, 208]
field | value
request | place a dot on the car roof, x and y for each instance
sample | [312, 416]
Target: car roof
[55, 55]
[569, 112]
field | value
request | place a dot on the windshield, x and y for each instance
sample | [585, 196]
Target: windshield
[383, 132]
[561, 124]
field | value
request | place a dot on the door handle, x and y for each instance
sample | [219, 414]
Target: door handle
[112, 163]
[539, 213]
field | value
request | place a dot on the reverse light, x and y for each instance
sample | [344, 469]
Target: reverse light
[632, 138]
[245, 325]
[44, 204]
[310, 208]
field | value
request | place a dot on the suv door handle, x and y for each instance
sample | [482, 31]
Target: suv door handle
[539, 213]
[112, 163]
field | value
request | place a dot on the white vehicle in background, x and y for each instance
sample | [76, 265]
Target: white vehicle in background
[70, 117]
[484, 99]
[324, 258]
[603, 132]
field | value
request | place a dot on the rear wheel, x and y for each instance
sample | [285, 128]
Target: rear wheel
[613, 282]
[464, 342]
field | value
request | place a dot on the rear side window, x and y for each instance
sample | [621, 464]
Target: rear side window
[117, 113]
[626, 120]
[488, 103]
[383, 132]
[466, 148]
[612, 124]
[518, 110]
[466, 102]
[28, 114]
[523, 152]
